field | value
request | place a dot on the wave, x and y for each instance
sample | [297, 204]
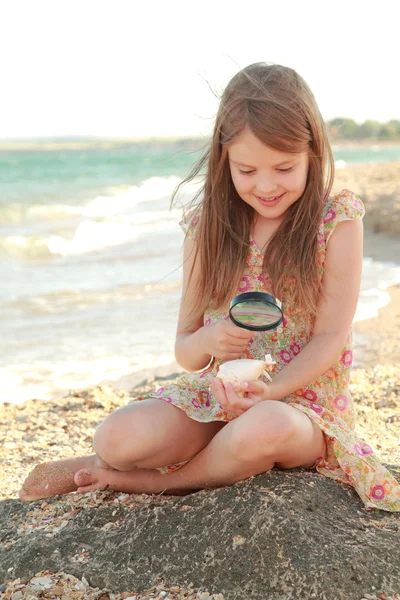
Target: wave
[340, 164]
[89, 236]
[64, 301]
[115, 200]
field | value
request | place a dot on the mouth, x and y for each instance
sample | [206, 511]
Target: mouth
[270, 201]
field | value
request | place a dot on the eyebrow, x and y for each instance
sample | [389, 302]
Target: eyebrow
[285, 162]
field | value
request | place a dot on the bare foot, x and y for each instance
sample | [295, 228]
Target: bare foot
[138, 481]
[88, 480]
[54, 478]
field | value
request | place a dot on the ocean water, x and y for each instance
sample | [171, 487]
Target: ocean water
[90, 264]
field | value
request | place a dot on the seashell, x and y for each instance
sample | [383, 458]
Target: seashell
[244, 369]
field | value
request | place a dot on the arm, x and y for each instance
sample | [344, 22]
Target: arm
[335, 311]
[197, 344]
[188, 345]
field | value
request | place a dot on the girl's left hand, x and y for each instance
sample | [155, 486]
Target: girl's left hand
[235, 405]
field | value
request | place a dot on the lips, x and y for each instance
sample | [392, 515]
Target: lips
[270, 201]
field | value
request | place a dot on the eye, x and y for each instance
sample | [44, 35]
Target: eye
[284, 170]
[245, 172]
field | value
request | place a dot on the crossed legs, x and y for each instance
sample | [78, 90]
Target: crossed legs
[153, 433]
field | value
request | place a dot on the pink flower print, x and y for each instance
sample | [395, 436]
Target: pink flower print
[284, 322]
[169, 400]
[321, 237]
[195, 403]
[260, 279]
[357, 204]
[207, 322]
[329, 217]
[347, 358]
[363, 449]
[378, 492]
[285, 356]
[160, 390]
[194, 221]
[207, 402]
[366, 449]
[341, 402]
[295, 349]
[244, 284]
[316, 408]
[310, 395]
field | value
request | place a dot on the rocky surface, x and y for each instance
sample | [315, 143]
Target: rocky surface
[279, 535]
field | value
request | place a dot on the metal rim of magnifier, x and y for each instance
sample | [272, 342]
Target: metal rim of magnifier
[262, 297]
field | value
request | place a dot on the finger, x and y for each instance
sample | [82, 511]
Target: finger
[253, 387]
[236, 342]
[238, 332]
[218, 391]
[236, 402]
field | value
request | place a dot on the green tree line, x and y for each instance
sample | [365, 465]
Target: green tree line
[347, 129]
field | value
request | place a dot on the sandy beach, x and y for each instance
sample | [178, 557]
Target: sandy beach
[40, 430]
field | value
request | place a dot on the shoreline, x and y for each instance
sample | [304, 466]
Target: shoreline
[107, 143]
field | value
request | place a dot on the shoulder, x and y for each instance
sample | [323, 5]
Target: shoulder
[344, 206]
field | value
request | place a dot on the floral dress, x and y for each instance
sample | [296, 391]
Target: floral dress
[327, 401]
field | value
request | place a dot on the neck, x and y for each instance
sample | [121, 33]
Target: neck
[263, 229]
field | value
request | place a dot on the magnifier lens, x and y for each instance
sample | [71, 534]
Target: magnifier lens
[257, 311]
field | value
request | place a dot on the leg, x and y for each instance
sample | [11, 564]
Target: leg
[270, 433]
[150, 433]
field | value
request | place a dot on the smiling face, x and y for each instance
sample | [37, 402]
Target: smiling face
[268, 180]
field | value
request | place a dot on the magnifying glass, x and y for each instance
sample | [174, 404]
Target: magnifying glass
[257, 311]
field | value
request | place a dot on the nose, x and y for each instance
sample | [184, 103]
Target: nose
[265, 185]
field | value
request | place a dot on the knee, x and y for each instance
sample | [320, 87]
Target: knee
[110, 438]
[262, 432]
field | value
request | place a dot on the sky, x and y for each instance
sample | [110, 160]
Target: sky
[152, 68]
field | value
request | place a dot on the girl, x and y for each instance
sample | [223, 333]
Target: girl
[263, 221]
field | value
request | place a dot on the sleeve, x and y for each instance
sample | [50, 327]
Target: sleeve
[189, 222]
[345, 206]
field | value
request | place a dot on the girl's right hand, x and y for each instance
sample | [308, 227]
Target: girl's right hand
[225, 340]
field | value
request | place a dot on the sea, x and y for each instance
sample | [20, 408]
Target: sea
[91, 262]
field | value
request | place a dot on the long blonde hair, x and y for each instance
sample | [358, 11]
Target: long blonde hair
[277, 105]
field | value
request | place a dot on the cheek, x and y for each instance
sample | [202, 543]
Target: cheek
[297, 181]
[242, 185]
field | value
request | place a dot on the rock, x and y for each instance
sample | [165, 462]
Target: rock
[282, 535]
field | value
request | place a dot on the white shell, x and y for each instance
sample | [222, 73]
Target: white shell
[242, 369]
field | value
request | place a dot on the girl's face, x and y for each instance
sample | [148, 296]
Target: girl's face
[268, 180]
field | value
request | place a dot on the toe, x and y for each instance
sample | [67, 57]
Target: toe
[84, 478]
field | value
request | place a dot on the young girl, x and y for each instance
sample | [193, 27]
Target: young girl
[263, 221]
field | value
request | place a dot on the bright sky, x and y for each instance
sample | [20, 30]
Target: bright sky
[137, 68]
